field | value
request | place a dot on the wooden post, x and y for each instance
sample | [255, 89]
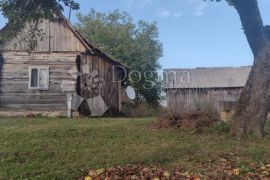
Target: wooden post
[69, 99]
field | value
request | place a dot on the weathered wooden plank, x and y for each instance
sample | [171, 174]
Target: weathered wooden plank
[23, 100]
[33, 107]
[14, 80]
[60, 39]
[191, 100]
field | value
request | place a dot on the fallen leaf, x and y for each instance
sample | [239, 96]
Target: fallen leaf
[145, 170]
[230, 172]
[100, 171]
[88, 178]
[186, 174]
[265, 173]
[92, 173]
[236, 171]
[134, 177]
[253, 165]
[167, 174]
[196, 178]
[223, 160]
[215, 170]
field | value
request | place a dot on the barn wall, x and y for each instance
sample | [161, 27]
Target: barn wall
[200, 99]
[14, 74]
[58, 38]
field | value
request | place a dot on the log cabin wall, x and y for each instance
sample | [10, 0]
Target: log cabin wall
[15, 95]
[58, 52]
[190, 100]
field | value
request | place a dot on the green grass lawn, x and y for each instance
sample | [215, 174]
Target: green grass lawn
[60, 148]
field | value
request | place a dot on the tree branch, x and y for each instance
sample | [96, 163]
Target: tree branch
[252, 23]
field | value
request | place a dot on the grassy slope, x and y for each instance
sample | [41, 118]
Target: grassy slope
[59, 148]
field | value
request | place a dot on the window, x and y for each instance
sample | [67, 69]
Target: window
[39, 78]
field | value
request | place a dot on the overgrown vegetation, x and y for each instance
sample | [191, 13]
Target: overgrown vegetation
[142, 110]
[192, 121]
[64, 149]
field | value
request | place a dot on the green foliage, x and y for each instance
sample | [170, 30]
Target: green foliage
[222, 128]
[20, 12]
[218, 128]
[142, 110]
[135, 45]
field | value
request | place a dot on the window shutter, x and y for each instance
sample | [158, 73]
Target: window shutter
[44, 78]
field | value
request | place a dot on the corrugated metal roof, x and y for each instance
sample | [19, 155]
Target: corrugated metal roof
[216, 77]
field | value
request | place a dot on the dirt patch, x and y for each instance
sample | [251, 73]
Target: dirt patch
[196, 121]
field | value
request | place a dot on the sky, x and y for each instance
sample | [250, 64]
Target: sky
[194, 33]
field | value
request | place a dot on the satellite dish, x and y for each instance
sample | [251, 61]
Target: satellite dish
[131, 93]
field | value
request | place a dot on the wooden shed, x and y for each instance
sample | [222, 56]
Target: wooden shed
[64, 67]
[202, 89]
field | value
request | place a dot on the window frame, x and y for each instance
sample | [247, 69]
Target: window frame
[38, 78]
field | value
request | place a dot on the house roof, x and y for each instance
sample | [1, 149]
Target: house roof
[90, 47]
[216, 77]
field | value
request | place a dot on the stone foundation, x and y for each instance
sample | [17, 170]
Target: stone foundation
[32, 114]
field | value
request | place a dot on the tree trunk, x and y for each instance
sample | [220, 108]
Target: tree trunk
[254, 103]
[252, 109]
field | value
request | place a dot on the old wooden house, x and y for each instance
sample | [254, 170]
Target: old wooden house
[64, 70]
[202, 89]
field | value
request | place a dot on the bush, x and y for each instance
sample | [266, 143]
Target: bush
[142, 110]
[220, 128]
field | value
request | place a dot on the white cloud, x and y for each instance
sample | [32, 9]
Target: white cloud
[177, 14]
[182, 8]
[164, 13]
[169, 14]
[139, 3]
[198, 7]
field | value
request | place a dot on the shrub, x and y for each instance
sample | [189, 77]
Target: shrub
[219, 128]
[142, 110]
